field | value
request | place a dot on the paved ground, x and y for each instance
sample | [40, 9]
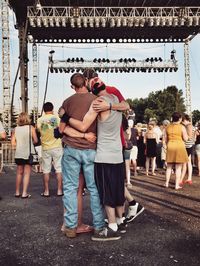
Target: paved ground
[166, 233]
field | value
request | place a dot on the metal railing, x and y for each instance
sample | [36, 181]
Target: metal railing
[7, 154]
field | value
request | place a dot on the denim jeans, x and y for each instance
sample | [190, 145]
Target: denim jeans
[72, 161]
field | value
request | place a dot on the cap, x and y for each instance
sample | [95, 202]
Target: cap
[97, 85]
[89, 73]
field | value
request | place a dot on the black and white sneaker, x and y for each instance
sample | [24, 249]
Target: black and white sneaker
[133, 212]
[105, 234]
[122, 227]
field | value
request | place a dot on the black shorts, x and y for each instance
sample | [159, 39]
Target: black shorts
[189, 151]
[21, 161]
[109, 179]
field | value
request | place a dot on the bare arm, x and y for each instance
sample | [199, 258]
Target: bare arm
[13, 139]
[164, 139]
[3, 135]
[77, 134]
[189, 131]
[101, 105]
[34, 135]
[88, 119]
[184, 134]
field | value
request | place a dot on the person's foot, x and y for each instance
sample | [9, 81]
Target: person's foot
[189, 182]
[153, 174]
[178, 188]
[133, 212]
[44, 194]
[105, 234]
[70, 232]
[27, 196]
[122, 227]
[129, 185]
[166, 184]
[84, 228]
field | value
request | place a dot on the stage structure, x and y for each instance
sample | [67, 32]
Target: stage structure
[114, 21]
[119, 65]
[5, 65]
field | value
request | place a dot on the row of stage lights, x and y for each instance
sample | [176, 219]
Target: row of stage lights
[115, 70]
[79, 22]
[106, 60]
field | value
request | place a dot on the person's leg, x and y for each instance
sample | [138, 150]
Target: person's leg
[198, 163]
[189, 166]
[26, 179]
[57, 157]
[88, 171]
[71, 162]
[110, 212]
[147, 165]
[178, 175]
[20, 171]
[46, 166]
[168, 173]
[183, 172]
[128, 172]
[153, 165]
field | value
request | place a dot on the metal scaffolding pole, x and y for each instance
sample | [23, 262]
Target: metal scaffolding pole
[35, 82]
[6, 65]
[187, 78]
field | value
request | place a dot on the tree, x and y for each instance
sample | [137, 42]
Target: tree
[159, 104]
[195, 116]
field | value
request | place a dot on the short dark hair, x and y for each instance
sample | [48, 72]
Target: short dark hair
[90, 73]
[77, 80]
[186, 117]
[176, 116]
[48, 107]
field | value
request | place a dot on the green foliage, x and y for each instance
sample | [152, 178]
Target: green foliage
[159, 104]
[195, 116]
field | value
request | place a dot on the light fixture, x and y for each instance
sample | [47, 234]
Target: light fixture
[142, 22]
[189, 21]
[181, 21]
[45, 21]
[175, 22]
[124, 22]
[57, 21]
[157, 22]
[72, 22]
[169, 21]
[63, 21]
[163, 21]
[195, 21]
[91, 22]
[103, 22]
[78, 21]
[85, 20]
[118, 23]
[97, 22]
[51, 22]
[130, 22]
[112, 22]
[150, 22]
[38, 21]
[32, 22]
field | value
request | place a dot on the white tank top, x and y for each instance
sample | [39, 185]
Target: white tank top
[23, 144]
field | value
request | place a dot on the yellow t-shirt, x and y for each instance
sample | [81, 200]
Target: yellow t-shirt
[46, 125]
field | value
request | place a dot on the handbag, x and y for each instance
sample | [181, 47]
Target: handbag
[33, 157]
[129, 145]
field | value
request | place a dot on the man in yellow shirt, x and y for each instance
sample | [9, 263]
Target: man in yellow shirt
[51, 147]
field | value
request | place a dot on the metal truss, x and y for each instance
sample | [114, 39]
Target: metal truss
[5, 39]
[118, 65]
[35, 82]
[48, 16]
[187, 79]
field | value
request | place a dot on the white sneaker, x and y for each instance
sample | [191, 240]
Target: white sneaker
[133, 212]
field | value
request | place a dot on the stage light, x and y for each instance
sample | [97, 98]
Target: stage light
[97, 22]
[151, 59]
[55, 70]
[39, 22]
[172, 56]
[147, 60]
[118, 24]
[157, 22]
[63, 21]
[142, 22]
[160, 59]
[85, 21]
[45, 21]
[136, 22]
[189, 21]
[130, 22]
[169, 21]
[103, 22]
[124, 22]
[60, 70]
[72, 22]
[91, 22]
[76, 12]
[32, 22]
[78, 22]
[163, 22]
[150, 22]
[134, 60]
[51, 22]
[99, 60]
[38, 5]
[121, 60]
[112, 22]
[181, 21]
[195, 21]
[175, 22]
[57, 22]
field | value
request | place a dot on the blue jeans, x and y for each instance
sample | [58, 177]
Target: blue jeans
[72, 161]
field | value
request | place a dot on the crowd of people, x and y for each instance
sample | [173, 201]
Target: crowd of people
[93, 143]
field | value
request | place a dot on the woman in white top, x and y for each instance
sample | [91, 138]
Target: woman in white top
[23, 137]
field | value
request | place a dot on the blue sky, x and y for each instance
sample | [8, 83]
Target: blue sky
[132, 85]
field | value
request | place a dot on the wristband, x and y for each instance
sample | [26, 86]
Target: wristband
[110, 107]
[65, 118]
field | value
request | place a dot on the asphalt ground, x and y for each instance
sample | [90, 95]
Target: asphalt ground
[166, 233]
